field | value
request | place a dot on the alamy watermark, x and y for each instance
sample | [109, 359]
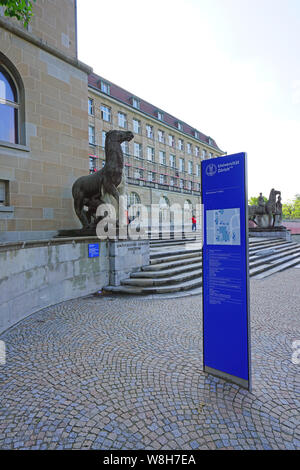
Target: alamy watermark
[141, 222]
[2, 353]
[296, 353]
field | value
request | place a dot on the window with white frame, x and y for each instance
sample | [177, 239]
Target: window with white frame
[211, 155]
[172, 181]
[181, 164]
[105, 88]
[162, 157]
[105, 113]
[136, 125]
[189, 148]
[149, 131]
[189, 185]
[122, 120]
[125, 147]
[150, 154]
[196, 134]
[190, 168]
[171, 140]
[161, 136]
[172, 161]
[91, 107]
[138, 173]
[203, 153]
[197, 151]
[198, 170]
[180, 126]
[137, 150]
[91, 135]
[180, 144]
[162, 179]
[160, 115]
[181, 183]
[151, 176]
[135, 102]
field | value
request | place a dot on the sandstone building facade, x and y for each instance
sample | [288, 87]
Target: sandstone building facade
[43, 121]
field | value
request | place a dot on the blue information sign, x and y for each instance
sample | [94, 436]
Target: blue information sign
[226, 321]
[93, 250]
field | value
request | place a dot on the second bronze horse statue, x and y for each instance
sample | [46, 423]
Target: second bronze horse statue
[105, 181]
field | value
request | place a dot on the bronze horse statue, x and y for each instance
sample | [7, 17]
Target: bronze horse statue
[89, 189]
[255, 213]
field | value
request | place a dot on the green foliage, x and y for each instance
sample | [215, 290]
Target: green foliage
[253, 201]
[19, 9]
[291, 210]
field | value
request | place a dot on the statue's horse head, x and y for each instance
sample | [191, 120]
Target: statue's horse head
[118, 136]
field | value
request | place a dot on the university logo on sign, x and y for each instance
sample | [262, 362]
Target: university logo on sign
[211, 169]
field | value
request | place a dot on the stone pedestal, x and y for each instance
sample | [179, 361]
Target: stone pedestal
[126, 256]
[275, 232]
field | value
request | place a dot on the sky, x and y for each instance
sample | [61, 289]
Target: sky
[230, 68]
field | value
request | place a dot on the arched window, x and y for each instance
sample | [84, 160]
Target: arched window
[164, 210]
[188, 205]
[134, 199]
[9, 108]
[134, 202]
[164, 202]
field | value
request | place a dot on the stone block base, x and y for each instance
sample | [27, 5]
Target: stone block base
[126, 256]
[270, 233]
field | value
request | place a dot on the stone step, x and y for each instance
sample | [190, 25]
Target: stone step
[172, 240]
[179, 272]
[168, 257]
[277, 269]
[253, 241]
[276, 255]
[265, 267]
[166, 272]
[159, 281]
[268, 245]
[191, 284]
[171, 264]
[162, 257]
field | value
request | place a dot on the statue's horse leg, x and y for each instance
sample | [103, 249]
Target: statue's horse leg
[78, 206]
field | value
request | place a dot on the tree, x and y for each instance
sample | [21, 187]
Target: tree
[19, 9]
[291, 210]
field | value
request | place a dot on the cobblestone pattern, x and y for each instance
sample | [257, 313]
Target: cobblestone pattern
[125, 373]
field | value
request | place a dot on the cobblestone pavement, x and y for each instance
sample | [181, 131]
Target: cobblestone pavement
[125, 373]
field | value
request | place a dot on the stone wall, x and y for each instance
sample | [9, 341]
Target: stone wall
[36, 275]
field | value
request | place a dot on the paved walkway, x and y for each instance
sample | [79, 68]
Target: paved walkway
[126, 374]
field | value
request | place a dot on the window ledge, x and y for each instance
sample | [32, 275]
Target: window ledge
[7, 208]
[22, 148]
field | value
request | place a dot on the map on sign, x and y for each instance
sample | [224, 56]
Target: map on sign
[223, 227]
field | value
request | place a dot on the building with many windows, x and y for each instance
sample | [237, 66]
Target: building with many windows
[163, 161]
[47, 130]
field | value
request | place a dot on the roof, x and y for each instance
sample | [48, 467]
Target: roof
[125, 97]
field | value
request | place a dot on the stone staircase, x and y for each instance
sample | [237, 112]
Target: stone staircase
[176, 266]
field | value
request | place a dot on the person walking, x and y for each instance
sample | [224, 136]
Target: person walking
[194, 223]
